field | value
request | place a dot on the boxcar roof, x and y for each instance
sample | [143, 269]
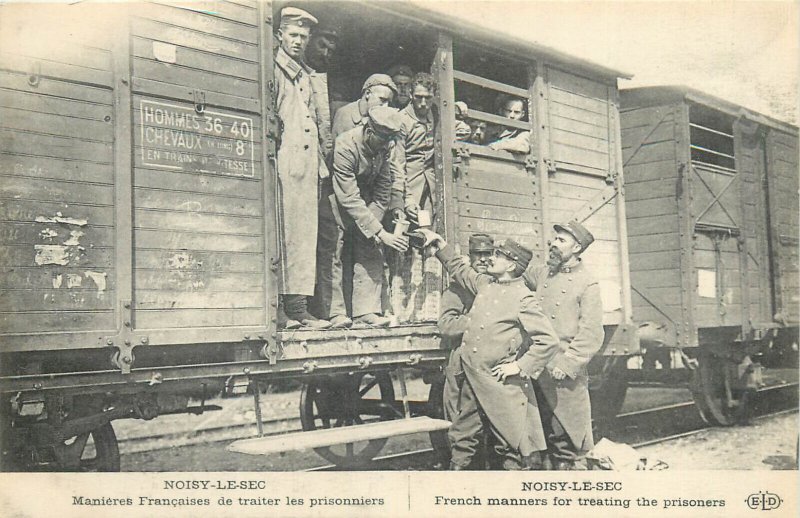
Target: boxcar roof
[657, 95]
[517, 46]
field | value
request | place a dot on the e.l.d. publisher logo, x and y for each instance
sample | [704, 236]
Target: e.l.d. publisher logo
[763, 501]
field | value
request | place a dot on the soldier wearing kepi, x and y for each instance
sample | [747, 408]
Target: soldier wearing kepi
[300, 165]
[507, 341]
[362, 183]
[378, 90]
[455, 303]
[570, 297]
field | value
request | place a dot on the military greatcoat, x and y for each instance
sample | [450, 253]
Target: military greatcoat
[300, 165]
[504, 324]
[455, 303]
[571, 300]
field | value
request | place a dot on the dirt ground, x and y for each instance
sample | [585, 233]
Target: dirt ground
[765, 444]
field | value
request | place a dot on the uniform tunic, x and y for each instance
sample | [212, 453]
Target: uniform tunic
[415, 157]
[455, 303]
[504, 324]
[571, 299]
[300, 165]
[362, 184]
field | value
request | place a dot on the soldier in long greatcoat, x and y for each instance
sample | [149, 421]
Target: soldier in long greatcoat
[507, 341]
[570, 296]
[454, 306]
[300, 166]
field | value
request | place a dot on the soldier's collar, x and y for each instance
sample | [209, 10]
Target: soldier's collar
[409, 109]
[289, 65]
[510, 281]
[573, 265]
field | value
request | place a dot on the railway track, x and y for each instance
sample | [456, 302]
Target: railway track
[683, 417]
[638, 428]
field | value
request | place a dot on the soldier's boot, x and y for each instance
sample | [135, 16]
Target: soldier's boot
[296, 308]
[372, 320]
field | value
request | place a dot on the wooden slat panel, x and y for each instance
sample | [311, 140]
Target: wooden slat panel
[166, 240]
[577, 127]
[649, 153]
[646, 261]
[55, 169]
[182, 318]
[16, 84]
[585, 103]
[59, 125]
[633, 136]
[56, 147]
[648, 208]
[667, 241]
[500, 199]
[40, 189]
[657, 278]
[225, 10]
[195, 222]
[188, 38]
[651, 189]
[38, 278]
[645, 116]
[186, 77]
[152, 299]
[195, 203]
[174, 91]
[650, 171]
[196, 281]
[35, 102]
[64, 321]
[200, 60]
[52, 68]
[498, 181]
[83, 299]
[500, 213]
[573, 83]
[234, 187]
[565, 111]
[209, 25]
[570, 154]
[24, 256]
[14, 233]
[580, 141]
[163, 260]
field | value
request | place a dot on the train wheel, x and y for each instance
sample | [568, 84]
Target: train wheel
[717, 390]
[347, 401]
[608, 385]
[95, 451]
[439, 441]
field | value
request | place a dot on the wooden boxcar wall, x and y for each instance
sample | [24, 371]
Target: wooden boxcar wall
[133, 192]
[782, 178]
[572, 172]
[652, 179]
[687, 271]
[584, 144]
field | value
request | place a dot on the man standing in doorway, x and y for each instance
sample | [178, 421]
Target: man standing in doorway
[300, 165]
[362, 183]
[378, 90]
[570, 295]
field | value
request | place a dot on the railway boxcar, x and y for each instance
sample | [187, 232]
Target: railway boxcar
[139, 251]
[712, 205]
